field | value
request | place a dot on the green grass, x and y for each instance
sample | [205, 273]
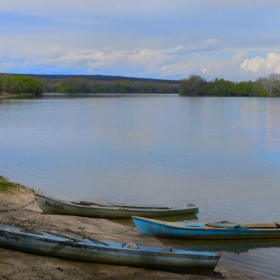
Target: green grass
[7, 186]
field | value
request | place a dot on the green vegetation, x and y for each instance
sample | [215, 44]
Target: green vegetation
[25, 86]
[7, 186]
[17, 85]
[197, 86]
[34, 85]
[83, 85]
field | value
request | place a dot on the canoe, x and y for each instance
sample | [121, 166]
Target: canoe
[107, 210]
[60, 245]
[196, 230]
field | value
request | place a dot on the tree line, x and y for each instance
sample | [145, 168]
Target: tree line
[192, 86]
[23, 84]
[197, 86]
[83, 85]
[17, 84]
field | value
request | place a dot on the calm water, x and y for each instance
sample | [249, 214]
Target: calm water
[222, 154]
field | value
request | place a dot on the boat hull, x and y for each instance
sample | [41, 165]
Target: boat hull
[56, 206]
[87, 250]
[179, 230]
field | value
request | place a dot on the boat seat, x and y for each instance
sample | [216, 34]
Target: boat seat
[214, 225]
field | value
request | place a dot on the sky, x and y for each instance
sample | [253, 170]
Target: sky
[161, 39]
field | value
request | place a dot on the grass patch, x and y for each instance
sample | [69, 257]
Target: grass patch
[7, 186]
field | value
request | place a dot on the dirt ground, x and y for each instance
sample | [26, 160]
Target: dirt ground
[16, 265]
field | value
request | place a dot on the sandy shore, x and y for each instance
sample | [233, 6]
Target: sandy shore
[17, 265]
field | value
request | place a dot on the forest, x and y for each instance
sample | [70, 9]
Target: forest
[262, 87]
[82, 85]
[18, 84]
[36, 85]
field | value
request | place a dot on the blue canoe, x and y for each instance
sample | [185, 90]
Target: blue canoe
[61, 245]
[196, 230]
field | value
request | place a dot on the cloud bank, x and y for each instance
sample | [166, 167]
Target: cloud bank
[270, 64]
[152, 39]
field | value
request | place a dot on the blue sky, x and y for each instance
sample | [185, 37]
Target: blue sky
[235, 40]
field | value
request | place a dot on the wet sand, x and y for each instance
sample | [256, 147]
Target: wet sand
[17, 265]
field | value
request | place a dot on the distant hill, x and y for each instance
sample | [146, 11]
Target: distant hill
[97, 77]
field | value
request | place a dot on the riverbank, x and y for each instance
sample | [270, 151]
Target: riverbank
[17, 206]
[17, 96]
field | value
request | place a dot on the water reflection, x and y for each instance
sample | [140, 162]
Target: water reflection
[234, 246]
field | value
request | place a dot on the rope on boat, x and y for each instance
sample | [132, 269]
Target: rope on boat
[15, 209]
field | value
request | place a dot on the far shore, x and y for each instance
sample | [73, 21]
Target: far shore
[16, 96]
[17, 265]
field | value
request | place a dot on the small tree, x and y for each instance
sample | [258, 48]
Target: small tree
[245, 89]
[194, 85]
[270, 84]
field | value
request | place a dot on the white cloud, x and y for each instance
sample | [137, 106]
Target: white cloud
[174, 51]
[207, 45]
[138, 62]
[238, 57]
[226, 66]
[157, 39]
[277, 70]
[192, 26]
[258, 64]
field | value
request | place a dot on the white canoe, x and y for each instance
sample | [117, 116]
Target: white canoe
[108, 210]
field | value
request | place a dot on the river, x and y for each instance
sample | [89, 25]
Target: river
[220, 153]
